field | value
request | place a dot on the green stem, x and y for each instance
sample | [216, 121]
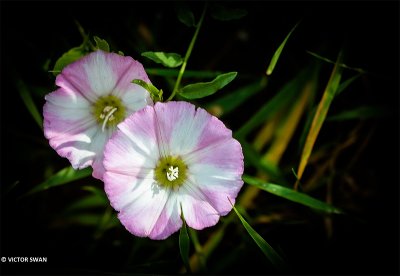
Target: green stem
[188, 52]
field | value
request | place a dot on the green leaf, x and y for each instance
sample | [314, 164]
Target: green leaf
[171, 60]
[62, 177]
[230, 102]
[162, 72]
[346, 83]
[282, 98]
[359, 70]
[184, 244]
[185, 15]
[278, 52]
[362, 112]
[320, 115]
[67, 58]
[224, 13]
[28, 101]
[204, 89]
[292, 195]
[267, 249]
[155, 94]
[101, 44]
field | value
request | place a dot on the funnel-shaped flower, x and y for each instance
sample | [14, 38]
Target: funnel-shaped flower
[167, 158]
[95, 94]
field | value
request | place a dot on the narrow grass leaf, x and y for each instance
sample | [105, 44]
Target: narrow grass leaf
[360, 70]
[281, 99]
[171, 60]
[320, 115]
[101, 44]
[362, 112]
[234, 99]
[204, 89]
[278, 53]
[346, 83]
[292, 195]
[184, 244]
[223, 13]
[62, 177]
[88, 202]
[28, 101]
[267, 249]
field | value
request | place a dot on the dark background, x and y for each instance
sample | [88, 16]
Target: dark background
[33, 32]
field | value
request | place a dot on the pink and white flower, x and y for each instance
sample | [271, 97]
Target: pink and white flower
[95, 94]
[167, 159]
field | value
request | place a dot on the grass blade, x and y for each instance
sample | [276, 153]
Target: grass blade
[362, 112]
[28, 101]
[292, 195]
[278, 52]
[267, 249]
[62, 177]
[283, 97]
[320, 115]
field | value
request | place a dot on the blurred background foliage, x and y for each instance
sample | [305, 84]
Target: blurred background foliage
[48, 209]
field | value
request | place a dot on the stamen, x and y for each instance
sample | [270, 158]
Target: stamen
[173, 174]
[108, 116]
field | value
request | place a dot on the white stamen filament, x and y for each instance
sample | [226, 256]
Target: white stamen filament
[108, 116]
[173, 173]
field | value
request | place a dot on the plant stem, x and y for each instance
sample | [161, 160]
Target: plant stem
[188, 52]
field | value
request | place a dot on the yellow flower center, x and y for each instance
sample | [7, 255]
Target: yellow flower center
[171, 172]
[108, 111]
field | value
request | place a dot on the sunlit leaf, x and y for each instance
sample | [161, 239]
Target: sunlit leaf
[291, 195]
[155, 94]
[101, 44]
[28, 101]
[267, 249]
[320, 115]
[225, 13]
[184, 244]
[278, 52]
[62, 177]
[203, 89]
[171, 60]
[187, 74]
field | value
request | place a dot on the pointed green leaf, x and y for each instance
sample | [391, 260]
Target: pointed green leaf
[67, 58]
[28, 101]
[225, 13]
[204, 89]
[267, 249]
[101, 44]
[171, 60]
[155, 94]
[283, 97]
[187, 74]
[184, 244]
[88, 202]
[346, 83]
[278, 52]
[185, 15]
[63, 176]
[320, 115]
[292, 195]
